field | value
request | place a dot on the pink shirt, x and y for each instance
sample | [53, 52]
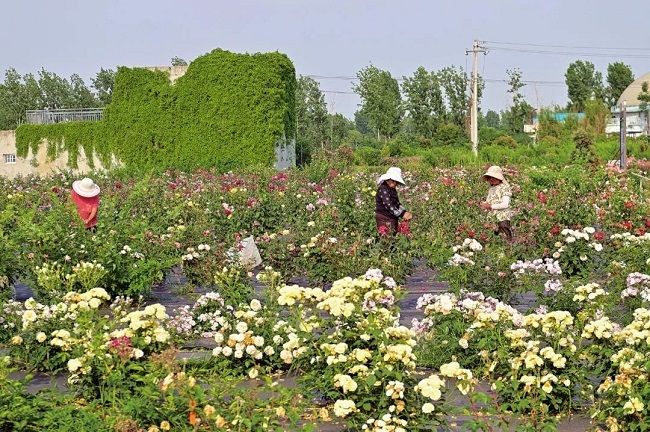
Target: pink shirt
[85, 206]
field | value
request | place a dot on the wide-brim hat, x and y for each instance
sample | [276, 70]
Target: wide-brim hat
[85, 187]
[494, 172]
[393, 173]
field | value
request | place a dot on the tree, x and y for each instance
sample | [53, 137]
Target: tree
[339, 126]
[619, 77]
[583, 83]
[520, 110]
[424, 101]
[177, 61]
[492, 119]
[311, 117]
[80, 96]
[361, 122]
[644, 98]
[17, 95]
[381, 100]
[454, 82]
[55, 90]
[103, 84]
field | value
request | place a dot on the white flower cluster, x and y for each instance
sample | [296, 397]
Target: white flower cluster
[541, 265]
[628, 238]
[464, 252]
[195, 253]
[126, 250]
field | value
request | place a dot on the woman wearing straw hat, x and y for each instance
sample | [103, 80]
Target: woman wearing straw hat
[388, 209]
[85, 195]
[498, 200]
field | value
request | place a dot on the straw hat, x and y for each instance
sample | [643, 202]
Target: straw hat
[393, 173]
[85, 187]
[495, 172]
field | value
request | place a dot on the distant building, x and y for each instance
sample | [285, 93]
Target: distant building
[560, 117]
[637, 120]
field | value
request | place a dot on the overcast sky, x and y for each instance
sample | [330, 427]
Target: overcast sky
[330, 37]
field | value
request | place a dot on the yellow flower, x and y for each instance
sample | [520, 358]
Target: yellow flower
[16, 340]
[633, 405]
[209, 410]
[74, 365]
[164, 425]
[547, 387]
[427, 408]
[220, 421]
[41, 337]
[344, 407]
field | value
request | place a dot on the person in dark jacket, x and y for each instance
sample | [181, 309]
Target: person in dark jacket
[388, 209]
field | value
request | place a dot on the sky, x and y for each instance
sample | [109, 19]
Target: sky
[333, 37]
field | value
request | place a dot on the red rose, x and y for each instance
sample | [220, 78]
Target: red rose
[599, 235]
[555, 230]
[551, 213]
[541, 197]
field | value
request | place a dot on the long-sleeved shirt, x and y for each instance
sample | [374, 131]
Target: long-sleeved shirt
[387, 202]
[499, 198]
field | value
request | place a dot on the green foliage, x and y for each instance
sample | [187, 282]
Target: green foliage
[103, 84]
[311, 118]
[596, 116]
[585, 149]
[450, 134]
[583, 83]
[177, 61]
[619, 76]
[381, 100]
[454, 82]
[17, 94]
[368, 155]
[64, 136]
[228, 111]
[424, 101]
[492, 119]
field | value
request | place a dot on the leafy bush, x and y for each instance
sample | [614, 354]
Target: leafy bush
[368, 156]
[204, 120]
[449, 134]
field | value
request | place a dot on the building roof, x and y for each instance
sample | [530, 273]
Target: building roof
[632, 91]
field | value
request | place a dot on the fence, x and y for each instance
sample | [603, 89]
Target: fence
[64, 115]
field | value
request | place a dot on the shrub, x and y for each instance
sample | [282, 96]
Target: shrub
[449, 134]
[368, 156]
[505, 141]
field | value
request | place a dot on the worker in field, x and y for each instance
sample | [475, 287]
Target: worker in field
[498, 201]
[388, 209]
[85, 195]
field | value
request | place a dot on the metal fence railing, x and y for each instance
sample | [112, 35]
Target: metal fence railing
[64, 115]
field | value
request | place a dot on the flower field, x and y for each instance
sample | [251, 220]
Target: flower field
[528, 334]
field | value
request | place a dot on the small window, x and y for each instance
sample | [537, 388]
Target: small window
[10, 158]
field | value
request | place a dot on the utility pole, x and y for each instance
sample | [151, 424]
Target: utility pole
[623, 135]
[473, 119]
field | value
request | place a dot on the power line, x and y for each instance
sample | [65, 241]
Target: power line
[493, 80]
[573, 53]
[570, 46]
[337, 92]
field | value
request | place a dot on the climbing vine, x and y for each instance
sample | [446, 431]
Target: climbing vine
[228, 110]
